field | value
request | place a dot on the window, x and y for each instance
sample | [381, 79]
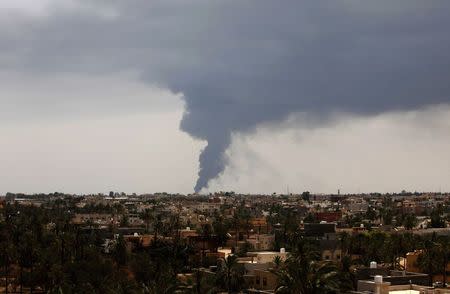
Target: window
[264, 281]
[257, 280]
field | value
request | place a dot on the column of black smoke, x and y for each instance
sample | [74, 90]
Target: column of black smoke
[275, 63]
[240, 63]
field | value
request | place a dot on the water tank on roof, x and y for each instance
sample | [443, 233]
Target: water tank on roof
[373, 264]
[282, 250]
[378, 279]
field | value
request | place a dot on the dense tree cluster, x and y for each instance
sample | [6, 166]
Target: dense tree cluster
[43, 251]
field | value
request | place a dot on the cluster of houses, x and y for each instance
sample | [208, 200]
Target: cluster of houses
[253, 234]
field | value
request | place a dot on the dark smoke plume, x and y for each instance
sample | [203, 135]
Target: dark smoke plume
[307, 58]
[240, 63]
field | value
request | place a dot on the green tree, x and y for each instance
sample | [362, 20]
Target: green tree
[306, 195]
[387, 216]
[371, 213]
[124, 221]
[230, 274]
[437, 221]
[433, 256]
[120, 253]
[302, 275]
[410, 221]
[344, 239]
[220, 229]
[444, 256]
[153, 272]
[6, 260]
[346, 274]
[146, 216]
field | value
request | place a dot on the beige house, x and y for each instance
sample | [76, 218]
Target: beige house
[378, 286]
[263, 280]
[257, 266]
[411, 266]
[261, 241]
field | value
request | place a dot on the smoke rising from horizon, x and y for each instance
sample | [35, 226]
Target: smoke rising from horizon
[333, 60]
[240, 64]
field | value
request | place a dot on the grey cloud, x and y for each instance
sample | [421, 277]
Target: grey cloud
[385, 153]
[243, 63]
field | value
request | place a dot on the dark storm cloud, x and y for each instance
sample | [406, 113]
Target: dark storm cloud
[242, 63]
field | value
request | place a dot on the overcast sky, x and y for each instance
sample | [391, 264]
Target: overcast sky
[101, 95]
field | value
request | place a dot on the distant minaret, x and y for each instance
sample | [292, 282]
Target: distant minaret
[339, 191]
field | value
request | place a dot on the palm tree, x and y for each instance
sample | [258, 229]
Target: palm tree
[157, 225]
[230, 274]
[347, 275]
[358, 246]
[120, 254]
[375, 242]
[277, 262]
[344, 239]
[220, 229]
[6, 260]
[410, 221]
[428, 260]
[304, 273]
[443, 248]
[146, 216]
[236, 226]
[393, 247]
[58, 279]
[307, 277]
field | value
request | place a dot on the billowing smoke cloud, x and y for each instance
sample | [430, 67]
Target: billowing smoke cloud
[315, 59]
[243, 63]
